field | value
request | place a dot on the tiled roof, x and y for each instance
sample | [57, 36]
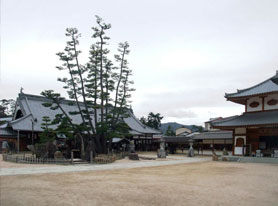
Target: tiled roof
[176, 139]
[33, 110]
[249, 119]
[6, 131]
[268, 86]
[116, 140]
[214, 135]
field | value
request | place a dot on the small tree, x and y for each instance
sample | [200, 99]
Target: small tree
[153, 120]
[143, 120]
[48, 134]
[169, 131]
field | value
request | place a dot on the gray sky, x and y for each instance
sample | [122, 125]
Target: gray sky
[184, 54]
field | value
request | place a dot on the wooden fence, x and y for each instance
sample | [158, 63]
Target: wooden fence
[33, 160]
[110, 158]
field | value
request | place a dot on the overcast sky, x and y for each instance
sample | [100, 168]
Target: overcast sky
[184, 54]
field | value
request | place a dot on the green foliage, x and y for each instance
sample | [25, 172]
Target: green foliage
[153, 120]
[48, 134]
[98, 88]
[169, 131]
[143, 120]
[2, 122]
[47, 104]
[197, 128]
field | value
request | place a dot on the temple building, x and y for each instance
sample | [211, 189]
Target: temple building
[256, 130]
[25, 126]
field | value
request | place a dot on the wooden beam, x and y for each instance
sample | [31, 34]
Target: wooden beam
[17, 141]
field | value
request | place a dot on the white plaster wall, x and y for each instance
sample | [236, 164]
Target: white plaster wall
[254, 99]
[269, 97]
[239, 151]
[207, 126]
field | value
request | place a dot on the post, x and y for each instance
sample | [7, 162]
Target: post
[91, 157]
[17, 141]
[71, 156]
[32, 131]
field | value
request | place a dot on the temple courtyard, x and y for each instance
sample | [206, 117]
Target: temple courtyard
[200, 182]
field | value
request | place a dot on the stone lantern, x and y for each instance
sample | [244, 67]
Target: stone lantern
[191, 150]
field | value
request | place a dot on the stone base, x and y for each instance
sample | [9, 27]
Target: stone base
[225, 152]
[161, 153]
[191, 153]
[133, 156]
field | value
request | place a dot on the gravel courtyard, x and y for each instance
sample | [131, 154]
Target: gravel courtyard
[201, 183]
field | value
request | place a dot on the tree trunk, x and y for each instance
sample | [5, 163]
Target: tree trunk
[82, 147]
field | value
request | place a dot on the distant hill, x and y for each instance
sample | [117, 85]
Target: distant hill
[175, 125]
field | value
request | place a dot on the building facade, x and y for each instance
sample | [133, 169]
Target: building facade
[257, 128]
[26, 124]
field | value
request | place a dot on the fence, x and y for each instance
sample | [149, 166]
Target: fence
[33, 160]
[110, 158]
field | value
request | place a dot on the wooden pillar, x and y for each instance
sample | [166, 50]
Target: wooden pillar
[262, 103]
[91, 157]
[233, 146]
[71, 157]
[246, 105]
[17, 141]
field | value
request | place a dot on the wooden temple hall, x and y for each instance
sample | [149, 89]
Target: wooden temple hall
[256, 130]
[25, 127]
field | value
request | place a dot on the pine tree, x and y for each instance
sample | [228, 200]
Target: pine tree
[94, 83]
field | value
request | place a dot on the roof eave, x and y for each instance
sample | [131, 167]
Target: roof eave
[231, 127]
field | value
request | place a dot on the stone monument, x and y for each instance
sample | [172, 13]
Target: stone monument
[225, 152]
[132, 154]
[191, 150]
[161, 153]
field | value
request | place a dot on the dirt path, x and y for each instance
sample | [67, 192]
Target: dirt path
[194, 184]
[121, 164]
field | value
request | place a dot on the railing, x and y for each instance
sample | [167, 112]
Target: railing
[110, 158]
[32, 159]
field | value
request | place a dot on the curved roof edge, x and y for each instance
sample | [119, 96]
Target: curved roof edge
[237, 94]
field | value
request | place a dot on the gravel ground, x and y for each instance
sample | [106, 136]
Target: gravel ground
[20, 169]
[195, 184]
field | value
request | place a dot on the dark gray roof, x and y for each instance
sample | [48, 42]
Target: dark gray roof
[268, 86]
[138, 126]
[6, 131]
[116, 140]
[176, 139]
[135, 133]
[33, 110]
[5, 119]
[220, 134]
[249, 119]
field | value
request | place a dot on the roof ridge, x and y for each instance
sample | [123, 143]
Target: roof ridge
[243, 90]
[228, 119]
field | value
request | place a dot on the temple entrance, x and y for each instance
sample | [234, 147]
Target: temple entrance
[267, 144]
[239, 147]
[239, 142]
